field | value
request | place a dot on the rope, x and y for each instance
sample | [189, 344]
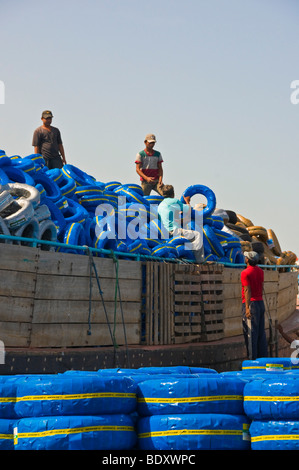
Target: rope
[117, 291]
[92, 264]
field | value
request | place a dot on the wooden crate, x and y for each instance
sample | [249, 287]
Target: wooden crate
[198, 297]
[182, 303]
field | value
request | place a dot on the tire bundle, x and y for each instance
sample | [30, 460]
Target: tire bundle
[272, 405]
[193, 413]
[75, 412]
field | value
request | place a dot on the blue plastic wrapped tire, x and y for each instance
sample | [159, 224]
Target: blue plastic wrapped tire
[274, 435]
[194, 432]
[106, 432]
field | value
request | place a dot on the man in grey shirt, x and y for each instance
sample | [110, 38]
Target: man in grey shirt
[47, 142]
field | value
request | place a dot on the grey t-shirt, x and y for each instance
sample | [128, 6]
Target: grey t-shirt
[47, 141]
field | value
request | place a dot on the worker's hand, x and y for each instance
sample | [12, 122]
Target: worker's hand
[150, 179]
[248, 313]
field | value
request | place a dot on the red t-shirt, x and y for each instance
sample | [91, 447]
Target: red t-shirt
[253, 276]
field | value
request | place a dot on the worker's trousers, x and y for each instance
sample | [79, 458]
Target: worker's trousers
[254, 330]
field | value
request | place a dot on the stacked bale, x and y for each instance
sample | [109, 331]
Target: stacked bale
[203, 411]
[272, 405]
[75, 412]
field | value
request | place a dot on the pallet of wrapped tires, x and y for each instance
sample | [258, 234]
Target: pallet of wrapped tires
[194, 432]
[272, 405]
[192, 413]
[103, 432]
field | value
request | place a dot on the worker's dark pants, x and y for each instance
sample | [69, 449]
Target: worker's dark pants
[257, 334]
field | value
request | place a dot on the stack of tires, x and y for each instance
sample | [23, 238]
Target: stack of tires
[68, 412]
[272, 405]
[198, 412]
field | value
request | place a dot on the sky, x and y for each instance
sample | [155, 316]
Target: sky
[212, 79]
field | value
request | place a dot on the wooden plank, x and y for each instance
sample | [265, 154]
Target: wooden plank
[77, 311]
[17, 283]
[16, 309]
[76, 335]
[18, 258]
[14, 334]
[67, 264]
[77, 288]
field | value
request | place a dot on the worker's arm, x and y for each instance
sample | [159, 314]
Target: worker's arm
[36, 150]
[61, 150]
[139, 171]
[247, 294]
[160, 180]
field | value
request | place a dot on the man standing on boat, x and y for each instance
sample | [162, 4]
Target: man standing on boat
[149, 166]
[47, 142]
[253, 308]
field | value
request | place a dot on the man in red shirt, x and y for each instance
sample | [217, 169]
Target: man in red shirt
[253, 308]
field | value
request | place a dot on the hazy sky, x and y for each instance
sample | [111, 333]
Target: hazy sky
[211, 78]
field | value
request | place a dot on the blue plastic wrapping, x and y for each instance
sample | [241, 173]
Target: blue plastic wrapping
[194, 432]
[267, 364]
[106, 432]
[6, 434]
[274, 435]
[211, 394]
[273, 398]
[76, 395]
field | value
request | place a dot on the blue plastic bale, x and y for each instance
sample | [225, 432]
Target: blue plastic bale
[105, 432]
[76, 395]
[206, 394]
[194, 432]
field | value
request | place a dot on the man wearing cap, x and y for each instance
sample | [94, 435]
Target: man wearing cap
[47, 142]
[149, 166]
[253, 308]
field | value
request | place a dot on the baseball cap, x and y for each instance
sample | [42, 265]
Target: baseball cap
[252, 255]
[47, 114]
[150, 138]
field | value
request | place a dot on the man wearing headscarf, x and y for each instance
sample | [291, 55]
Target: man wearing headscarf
[253, 307]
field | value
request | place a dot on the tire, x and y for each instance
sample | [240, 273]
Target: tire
[28, 230]
[190, 395]
[273, 398]
[193, 432]
[213, 241]
[7, 434]
[52, 189]
[19, 190]
[16, 175]
[276, 248]
[246, 222]
[22, 212]
[105, 432]
[206, 192]
[81, 178]
[47, 232]
[232, 217]
[75, 235]
[66, 395]
[274, 435]
[74, 212]
[5, 199]
[260, 232]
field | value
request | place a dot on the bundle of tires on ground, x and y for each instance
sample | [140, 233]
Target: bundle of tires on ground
[257, 238]
[67, 412]
[202, 411]
[271, 402]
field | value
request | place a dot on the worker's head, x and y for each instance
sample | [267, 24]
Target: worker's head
[150, 140]
[167, 190]
[47, 117]
[251, 257]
